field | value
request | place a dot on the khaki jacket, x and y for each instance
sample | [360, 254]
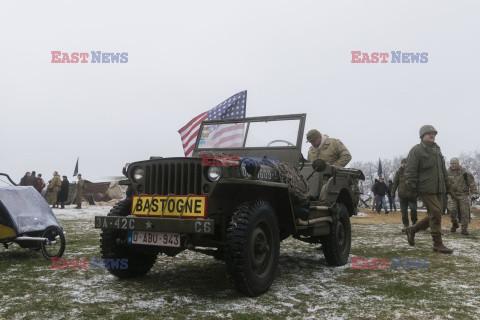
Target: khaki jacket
[55, 183]
[425, 171]
[461, 187]
[333, 151]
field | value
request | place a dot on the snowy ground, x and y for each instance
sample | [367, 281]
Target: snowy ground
[192, 286]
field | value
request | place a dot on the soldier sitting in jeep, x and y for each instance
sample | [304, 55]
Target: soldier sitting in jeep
[256, 191]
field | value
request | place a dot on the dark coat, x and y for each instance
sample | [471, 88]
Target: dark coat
[63, 194]
[380, 189]
[23, 181]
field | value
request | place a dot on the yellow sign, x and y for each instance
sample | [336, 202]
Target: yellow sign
[170, 206]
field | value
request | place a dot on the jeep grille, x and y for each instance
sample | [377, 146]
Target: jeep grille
[179, 177]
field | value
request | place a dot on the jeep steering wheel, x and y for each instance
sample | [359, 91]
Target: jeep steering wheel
[274, 141]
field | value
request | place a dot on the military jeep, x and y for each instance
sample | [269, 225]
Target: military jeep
[246, 188]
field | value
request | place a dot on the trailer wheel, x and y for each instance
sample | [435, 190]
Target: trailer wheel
[56, 245]
[138, 261]
[253, 247]
[336, 246]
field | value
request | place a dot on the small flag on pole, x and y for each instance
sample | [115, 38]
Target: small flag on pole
[379, 168]
[76, 168]
[232, 108]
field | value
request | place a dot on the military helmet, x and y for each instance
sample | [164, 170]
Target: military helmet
[404, 160]
[454, 160]
[427, 128]
[313, 134]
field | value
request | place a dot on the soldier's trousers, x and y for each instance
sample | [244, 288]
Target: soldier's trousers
[406, 203]
[79, 198]
[463, 204]
[53, 197]
[434, 204]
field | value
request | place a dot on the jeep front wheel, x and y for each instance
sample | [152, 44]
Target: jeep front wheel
[113, 246]
[253, 247]
[336, 246]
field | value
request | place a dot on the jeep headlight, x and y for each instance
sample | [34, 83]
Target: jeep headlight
[138, 174]
[214, 173]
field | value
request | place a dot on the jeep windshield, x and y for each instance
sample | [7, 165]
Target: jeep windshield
[261, 132]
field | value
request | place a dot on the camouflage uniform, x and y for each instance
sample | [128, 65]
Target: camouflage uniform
[54, 187]
[459, 196]
[333, 151]
[80, 189]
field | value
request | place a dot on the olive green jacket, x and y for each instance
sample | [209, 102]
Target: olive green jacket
[425, 171]
[399, 183]
[333, 151]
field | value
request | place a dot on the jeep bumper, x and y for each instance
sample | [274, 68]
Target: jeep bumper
[195, 226]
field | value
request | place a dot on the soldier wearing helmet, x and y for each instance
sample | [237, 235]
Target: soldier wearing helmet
[426, 175]
[463, 184]
[333, 151]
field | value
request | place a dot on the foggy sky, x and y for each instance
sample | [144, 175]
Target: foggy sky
[185, 57]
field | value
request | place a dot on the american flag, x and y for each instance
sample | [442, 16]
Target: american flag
[226, 135]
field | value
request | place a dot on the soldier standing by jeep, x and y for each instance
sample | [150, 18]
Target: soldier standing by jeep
[54, 188]
[426, 175]
[407, 199]
[462, 184]
[333, 151]
[80, 190]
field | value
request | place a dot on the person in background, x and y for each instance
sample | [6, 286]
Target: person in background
[407, 198]
[80, 189]
[63, 194]
[129, 192]
[463, 186]
[23, 181]
[380, 190]
[54, 187]
[391, 199]
[40, 183]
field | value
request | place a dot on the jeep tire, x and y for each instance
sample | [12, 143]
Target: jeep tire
[139, 261]
[336, 246]
[253, 248]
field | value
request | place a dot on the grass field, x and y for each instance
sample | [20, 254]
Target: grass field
[194, 286]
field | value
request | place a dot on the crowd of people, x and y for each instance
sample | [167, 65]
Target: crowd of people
[422, 175]
[57, 188]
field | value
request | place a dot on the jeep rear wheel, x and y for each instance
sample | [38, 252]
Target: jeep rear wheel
[336, 246]
[253, 247]
[139, 261]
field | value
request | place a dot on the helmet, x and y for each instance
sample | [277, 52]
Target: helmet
[454, 160]
[427, 128]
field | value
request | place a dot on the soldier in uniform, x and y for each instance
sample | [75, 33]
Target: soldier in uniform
[407, 199]
[54, 186]
[459, 198]
[80, 189]
[426, 175]
[333, 151]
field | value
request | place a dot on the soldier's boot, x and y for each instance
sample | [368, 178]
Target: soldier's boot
[438, 245]
[79, 206]
[410, 231]
[63, 205]
[454, 226]
[465, 232]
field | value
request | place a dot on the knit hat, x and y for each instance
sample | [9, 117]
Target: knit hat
[404, 160]
[313, 135]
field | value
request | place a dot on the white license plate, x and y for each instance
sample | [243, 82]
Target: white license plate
[162, 239]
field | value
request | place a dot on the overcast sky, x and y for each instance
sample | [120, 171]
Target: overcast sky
[185, 57]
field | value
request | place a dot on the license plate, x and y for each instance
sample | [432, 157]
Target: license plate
[170, 206]
[162, 239]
